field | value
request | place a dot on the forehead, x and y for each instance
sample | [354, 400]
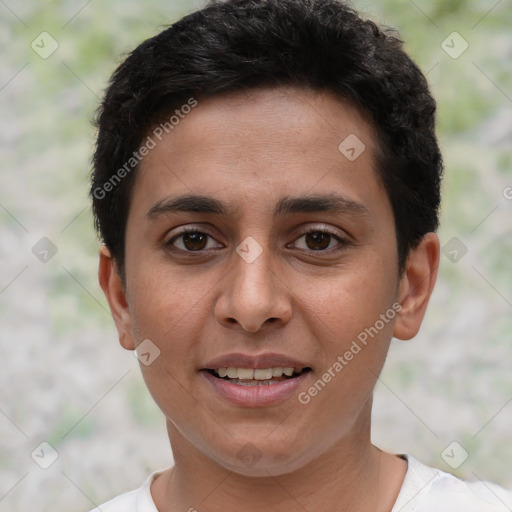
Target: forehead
[319, 118]
[261, 144]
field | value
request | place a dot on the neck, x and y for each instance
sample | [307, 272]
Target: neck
[352, 475]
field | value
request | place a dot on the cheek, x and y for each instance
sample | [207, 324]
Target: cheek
[169, 314]
[168, 306]
[353, 317]
[344, 305]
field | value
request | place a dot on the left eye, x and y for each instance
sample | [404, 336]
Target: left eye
[319, 240]
[191, 241]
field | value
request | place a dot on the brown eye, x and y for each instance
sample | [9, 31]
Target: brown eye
[195, 241]
[191, 241]
[318, 240]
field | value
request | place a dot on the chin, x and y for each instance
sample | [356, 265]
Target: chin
[262, 458]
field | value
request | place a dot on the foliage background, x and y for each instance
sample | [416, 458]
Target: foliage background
[64, 378]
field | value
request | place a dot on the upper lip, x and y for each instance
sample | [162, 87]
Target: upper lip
[268, 360]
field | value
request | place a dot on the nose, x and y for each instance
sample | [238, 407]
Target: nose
[253, 295]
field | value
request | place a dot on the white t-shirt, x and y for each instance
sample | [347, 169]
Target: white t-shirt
[424, 489]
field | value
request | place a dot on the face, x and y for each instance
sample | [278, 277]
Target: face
[254, 244]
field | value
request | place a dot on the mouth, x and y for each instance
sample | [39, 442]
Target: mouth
[255, 380]
[257, 376]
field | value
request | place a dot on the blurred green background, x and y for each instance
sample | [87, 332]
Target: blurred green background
[65, 379]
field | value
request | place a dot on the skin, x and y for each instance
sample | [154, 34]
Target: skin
[249, 150]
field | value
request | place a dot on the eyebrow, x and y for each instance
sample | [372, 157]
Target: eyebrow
[332, 203]
[190, 203]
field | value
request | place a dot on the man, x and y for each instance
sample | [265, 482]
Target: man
[266, 184]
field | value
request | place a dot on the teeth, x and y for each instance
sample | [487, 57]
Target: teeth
[255, 374]
[244, 373]
[252, 383]
[232, 373]
[260, 373]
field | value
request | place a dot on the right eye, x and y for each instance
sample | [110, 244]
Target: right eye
[190, 240]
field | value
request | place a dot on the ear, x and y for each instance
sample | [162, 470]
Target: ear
[113, 288]
[416, 286]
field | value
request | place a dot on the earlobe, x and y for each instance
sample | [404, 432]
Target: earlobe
[416, 286]
[114, 290]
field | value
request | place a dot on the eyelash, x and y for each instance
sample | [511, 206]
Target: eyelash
[341, 241]
[190, 231]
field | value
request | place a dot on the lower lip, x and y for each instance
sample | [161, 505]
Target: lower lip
[254, 396]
